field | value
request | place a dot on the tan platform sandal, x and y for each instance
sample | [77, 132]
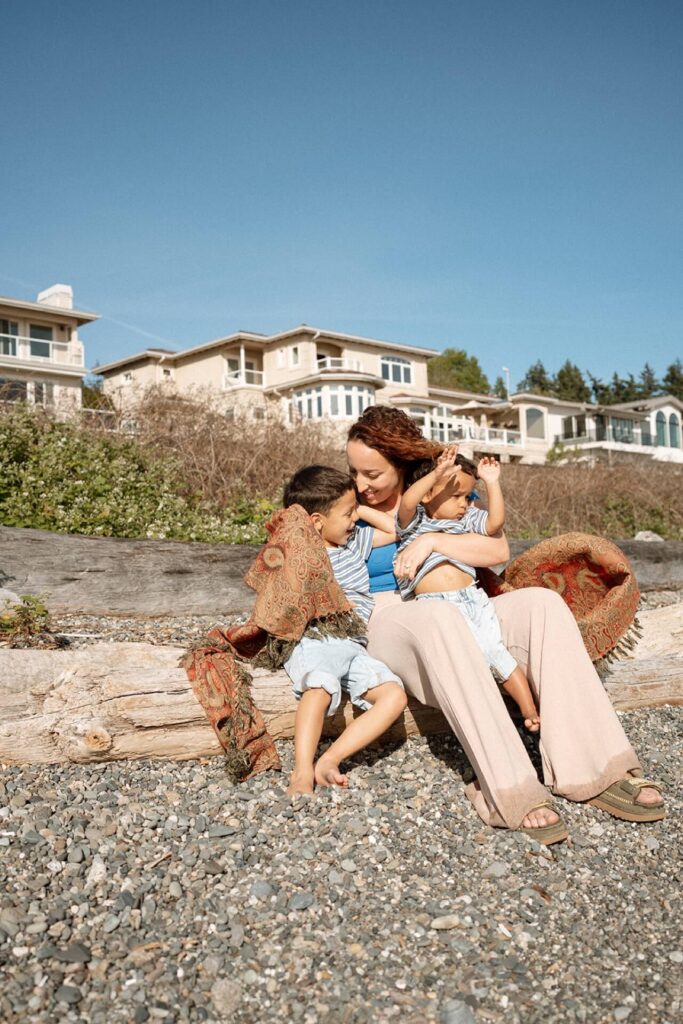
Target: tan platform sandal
[546, 834]
[620, 800]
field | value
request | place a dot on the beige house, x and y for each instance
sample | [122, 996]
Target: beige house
[304, 373]
[41, 355]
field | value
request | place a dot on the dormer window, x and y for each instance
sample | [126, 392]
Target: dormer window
[397, 370]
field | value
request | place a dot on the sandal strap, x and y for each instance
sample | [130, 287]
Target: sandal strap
[635, 784]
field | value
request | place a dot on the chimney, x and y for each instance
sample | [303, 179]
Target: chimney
[59, 295]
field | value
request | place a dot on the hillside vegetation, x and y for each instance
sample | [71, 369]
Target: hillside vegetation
[188, 473]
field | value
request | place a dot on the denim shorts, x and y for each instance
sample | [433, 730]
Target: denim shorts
[480, 616]
[334, 664]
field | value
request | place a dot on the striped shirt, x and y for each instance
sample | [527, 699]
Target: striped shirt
[474, 521]
[351, 572]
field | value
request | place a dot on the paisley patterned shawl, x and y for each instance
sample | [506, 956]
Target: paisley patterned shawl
[294, 584]
[592, 575]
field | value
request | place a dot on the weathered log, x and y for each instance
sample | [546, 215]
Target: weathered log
[115, 576]
[115, 701]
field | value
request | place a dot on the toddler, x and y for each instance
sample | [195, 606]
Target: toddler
[320, 667]
[439, 502]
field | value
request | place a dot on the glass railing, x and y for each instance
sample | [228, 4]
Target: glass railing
[235, 377]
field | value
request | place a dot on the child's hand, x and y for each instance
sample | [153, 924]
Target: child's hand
[488, 470]
[445, 464]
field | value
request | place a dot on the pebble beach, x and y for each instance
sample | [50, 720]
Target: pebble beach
[158, 891]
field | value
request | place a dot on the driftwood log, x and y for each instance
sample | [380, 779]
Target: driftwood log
[112, 701]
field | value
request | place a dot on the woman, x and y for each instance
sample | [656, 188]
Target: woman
[584, 750]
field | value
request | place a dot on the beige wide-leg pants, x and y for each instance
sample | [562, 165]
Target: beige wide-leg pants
[583, 746]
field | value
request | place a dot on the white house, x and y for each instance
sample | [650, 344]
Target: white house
[41, 354]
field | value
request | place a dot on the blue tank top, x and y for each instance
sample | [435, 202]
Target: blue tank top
[380, 565]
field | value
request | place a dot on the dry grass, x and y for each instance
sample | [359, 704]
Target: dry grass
[226, 461]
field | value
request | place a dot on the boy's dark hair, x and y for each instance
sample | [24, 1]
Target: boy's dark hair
[421, 469]
[316, 488]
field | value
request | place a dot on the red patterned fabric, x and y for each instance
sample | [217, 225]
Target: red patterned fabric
[294, 584]
[593, 576]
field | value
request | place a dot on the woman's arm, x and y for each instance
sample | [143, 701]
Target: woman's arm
[471, 548]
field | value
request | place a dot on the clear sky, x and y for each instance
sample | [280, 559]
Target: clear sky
[504, 177]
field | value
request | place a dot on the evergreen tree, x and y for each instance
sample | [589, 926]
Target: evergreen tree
[570, 385]
[649, 384]
[499, 388]
[536, 380]
[672, 381]
[602, 393]
[455, 369]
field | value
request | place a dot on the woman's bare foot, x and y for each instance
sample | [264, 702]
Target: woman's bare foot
[300, 781]
[327, 773]
[647, 795]
[540, 817]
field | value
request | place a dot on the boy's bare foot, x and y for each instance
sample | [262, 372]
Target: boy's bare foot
[327, 773]
[300, 782]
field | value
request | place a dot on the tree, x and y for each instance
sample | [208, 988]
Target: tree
[624, 389]
[455, 369]
[602, 393]
[569, 384]
[649, 384]
[500, 388]
[536, 380]
[672, 381]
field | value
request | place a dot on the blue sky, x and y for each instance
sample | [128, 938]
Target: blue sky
[503, 177]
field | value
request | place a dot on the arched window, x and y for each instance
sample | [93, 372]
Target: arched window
[661, 429]
[674, 431]
[535, 426]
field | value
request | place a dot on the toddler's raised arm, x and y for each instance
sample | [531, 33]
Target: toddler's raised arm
[489, 471]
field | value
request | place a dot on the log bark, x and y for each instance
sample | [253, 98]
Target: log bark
[113, 701]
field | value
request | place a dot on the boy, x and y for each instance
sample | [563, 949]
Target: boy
[439, 502]
[321, 667]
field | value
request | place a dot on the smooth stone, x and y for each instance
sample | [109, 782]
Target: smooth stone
[68, 994]
[301, 900]
[455, 1011]
[445, 923]
[226, 996]
[497, 869]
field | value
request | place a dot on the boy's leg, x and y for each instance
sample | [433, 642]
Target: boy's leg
[308, 727]
[385, 700]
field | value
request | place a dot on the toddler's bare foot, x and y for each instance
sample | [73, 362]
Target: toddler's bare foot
[327, 773]
[300, 782]
[532, 721]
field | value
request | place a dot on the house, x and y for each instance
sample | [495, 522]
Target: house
[303, 373]
[41, 355]
[308, 373]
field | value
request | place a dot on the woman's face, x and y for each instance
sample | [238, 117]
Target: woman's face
[377, 480]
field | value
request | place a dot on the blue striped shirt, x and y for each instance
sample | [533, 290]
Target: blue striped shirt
[351, 572]
[474, 521]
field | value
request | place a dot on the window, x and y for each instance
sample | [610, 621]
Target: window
[43, 393]
[294, 355]
[397, 370]
[280, 358]
[41, 338]
[419, 416]
[661, 429]
[8, 337]
[165, 372]
[127, 377]
[535, 426]
[339, 401]
[622, 430]
[674, 432]
[12, 390]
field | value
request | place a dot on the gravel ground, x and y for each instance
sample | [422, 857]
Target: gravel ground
[156, 891]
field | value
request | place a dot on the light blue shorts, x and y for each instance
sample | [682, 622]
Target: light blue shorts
[480, 616]
[335, 664]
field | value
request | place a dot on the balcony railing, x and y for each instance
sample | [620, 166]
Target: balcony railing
[16, 346]
[334, 363]
[235, 378]
[611, 434]
[471, 432]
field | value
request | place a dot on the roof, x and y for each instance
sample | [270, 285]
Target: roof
[648, 404]
[79, 315]
[139, 357]
[264, 339]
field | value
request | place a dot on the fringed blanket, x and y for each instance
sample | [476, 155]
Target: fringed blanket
[593, 576]
[296, 594]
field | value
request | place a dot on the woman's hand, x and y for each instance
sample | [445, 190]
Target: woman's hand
[411, 558]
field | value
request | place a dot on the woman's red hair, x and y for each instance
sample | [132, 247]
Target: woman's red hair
[394, 435]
